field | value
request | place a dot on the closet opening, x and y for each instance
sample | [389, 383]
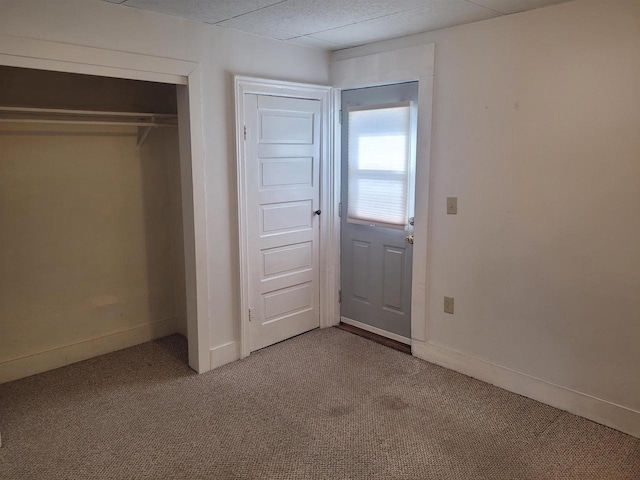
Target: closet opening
[92, 251]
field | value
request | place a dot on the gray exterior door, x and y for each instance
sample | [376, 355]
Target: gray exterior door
[378, 172]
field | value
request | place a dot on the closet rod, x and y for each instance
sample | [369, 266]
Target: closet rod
[86, 122]
[59, 111]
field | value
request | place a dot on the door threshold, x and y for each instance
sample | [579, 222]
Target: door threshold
[387, 342]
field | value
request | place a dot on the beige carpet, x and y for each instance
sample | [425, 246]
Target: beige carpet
[327, 405]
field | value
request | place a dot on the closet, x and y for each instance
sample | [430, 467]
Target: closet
[91, 237]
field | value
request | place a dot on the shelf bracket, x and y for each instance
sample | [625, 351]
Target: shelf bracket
[143, 133]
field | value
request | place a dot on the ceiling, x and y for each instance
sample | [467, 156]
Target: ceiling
[336, 24]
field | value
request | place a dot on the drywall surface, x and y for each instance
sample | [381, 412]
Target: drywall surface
[221, 53]
[33, 88]
[86, 246]
[536, 130]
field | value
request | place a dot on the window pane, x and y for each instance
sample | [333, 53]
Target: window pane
[379, 164]
[382, 152]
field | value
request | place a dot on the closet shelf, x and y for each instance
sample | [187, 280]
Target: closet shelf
[144, 121]
[89, 117]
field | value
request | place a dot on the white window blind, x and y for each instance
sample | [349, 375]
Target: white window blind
[380, 166]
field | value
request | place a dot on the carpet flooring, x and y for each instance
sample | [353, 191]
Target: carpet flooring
[324, 405]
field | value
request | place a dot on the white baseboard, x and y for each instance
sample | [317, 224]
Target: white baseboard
[377, 331]
[601, 411]
[60, 357]
[227, 353]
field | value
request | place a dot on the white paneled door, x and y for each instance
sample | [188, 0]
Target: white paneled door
[282, 148]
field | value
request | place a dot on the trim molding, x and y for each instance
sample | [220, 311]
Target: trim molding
[601, 411]
[377, 331]
[223, 354]
[39, 54]
[77, 352]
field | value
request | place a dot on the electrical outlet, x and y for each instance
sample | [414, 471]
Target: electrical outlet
[452, 205]
[448, 305]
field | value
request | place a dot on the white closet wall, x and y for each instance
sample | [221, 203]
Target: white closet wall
[90, 227]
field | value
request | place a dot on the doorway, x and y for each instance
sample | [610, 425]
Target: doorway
[91, 230]
[379, 126]
[186, 76]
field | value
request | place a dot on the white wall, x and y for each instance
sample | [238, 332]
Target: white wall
[90, 257]
[86, 251]
[536, 131]
[221, 53]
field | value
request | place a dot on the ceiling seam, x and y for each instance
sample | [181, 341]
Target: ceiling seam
[484, 6]
[247, 13]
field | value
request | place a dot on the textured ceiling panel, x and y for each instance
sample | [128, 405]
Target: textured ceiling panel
[514, 6]
[335, 24]
[294, 18]
[454, 12]
[208, 11]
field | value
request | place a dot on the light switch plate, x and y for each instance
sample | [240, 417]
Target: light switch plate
[452, 205]
[448, 305]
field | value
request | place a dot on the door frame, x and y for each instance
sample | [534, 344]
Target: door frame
[186, 75]
[385, 68]
[328, 284]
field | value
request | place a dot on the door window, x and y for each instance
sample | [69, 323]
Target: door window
[381, 167]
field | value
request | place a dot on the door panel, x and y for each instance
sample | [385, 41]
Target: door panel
[283, 152]
[282, 121]
[283, 172]
[288, 301]
[360, 268]
[376, 260]
[286, 127]
[282, 218]
[393, 269]
[286, 260]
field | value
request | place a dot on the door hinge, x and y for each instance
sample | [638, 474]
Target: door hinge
[245, 132]
[339, 296]
[340, 209]
[340, 117]
[250, 313]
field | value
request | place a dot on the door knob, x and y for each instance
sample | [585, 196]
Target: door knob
[318, 212]
[409, 239]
